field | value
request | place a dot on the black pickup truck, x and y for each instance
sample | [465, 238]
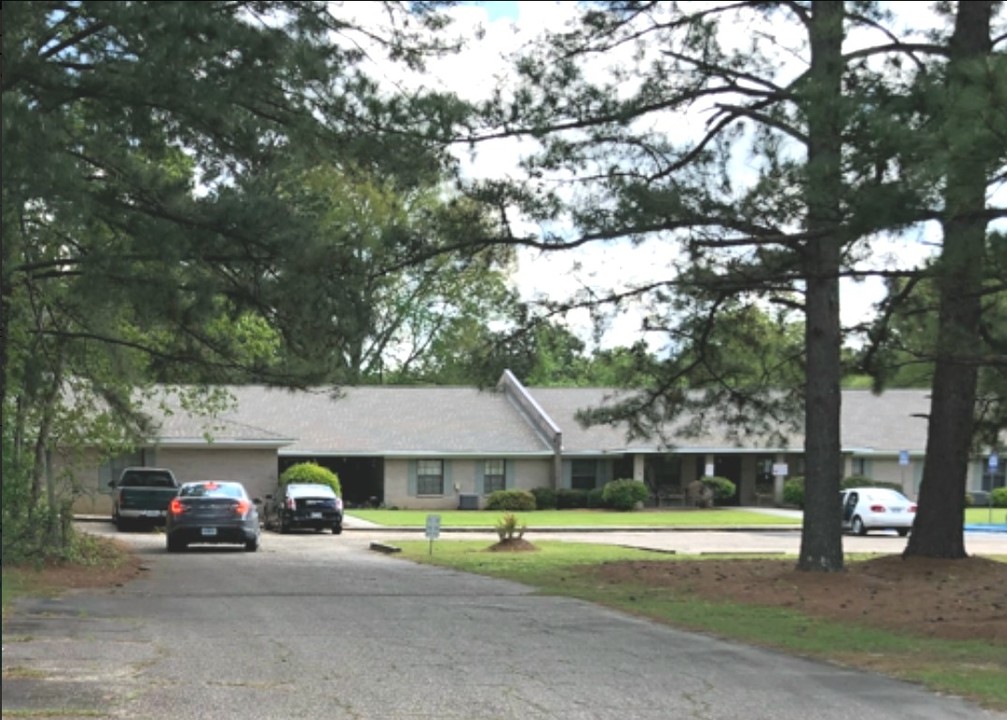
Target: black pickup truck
[141, 496]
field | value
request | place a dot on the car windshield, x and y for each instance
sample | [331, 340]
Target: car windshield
[890, 496]
[212, 489]
[146, 479]
[308, 490]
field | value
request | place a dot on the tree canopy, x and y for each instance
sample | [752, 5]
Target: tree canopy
[777, 144]
[151, 155]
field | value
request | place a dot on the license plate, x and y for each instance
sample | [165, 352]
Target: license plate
[209, 532]
[897, 510]
[315, 515]
[153, 513]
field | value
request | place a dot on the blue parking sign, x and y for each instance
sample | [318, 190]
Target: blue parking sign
[994, 461]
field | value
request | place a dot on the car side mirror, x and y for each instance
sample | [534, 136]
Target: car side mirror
[111, 483]
[258, 501]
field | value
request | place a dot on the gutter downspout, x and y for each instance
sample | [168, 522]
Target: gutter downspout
[542, 423]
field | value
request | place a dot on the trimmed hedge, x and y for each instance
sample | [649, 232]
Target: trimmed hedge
[624, 494]
[793, 488]
[999, 497]
[863, 481]
[569, 499]
[309, 472]
[723, 489]
[510, 500]
[545, 498]
[793, 491]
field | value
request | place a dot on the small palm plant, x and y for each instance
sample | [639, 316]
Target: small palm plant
[508, 529]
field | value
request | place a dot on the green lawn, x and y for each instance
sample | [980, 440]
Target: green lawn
[719, 517]
[673, 517]
[984, 516]
[973, 669]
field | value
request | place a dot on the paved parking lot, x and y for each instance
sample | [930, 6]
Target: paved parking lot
[316, 625]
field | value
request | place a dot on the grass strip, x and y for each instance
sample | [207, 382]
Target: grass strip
[685, 517]
[975, 669]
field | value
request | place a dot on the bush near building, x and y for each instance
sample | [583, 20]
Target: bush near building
[309, 472]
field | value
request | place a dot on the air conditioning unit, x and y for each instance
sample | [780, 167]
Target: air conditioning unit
[468, 502]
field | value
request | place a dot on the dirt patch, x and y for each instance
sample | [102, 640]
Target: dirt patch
[112, 565]
[954, 599]
[512, 545]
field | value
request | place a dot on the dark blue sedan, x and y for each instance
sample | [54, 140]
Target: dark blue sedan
[212, 512]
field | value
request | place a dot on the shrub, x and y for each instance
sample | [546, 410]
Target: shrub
[545, 498]
[309, 472]
[624, 494]
[510, 500]
[723, 489]
[594, 498]
[854, 481]
[507, 527]
[998, 497]
[793, 491]
[569, 499]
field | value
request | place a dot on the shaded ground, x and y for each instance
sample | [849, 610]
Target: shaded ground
[954, 599]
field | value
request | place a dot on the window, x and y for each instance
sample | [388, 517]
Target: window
[430, 477]
[494, 476]
[858, 466]
[584, 475]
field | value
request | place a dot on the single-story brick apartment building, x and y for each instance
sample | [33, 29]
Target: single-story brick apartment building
[448, 447]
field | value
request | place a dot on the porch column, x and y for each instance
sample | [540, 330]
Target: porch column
[781, 459]
[638, 463]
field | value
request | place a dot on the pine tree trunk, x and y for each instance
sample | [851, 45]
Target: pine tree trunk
[938, 530]
[821, 536]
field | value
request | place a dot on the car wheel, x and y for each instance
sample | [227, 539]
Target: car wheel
[252, 545]
[284, 529]
[858, 526]
[121, 524]
[337, 529]
[175, 545]
[903, 532]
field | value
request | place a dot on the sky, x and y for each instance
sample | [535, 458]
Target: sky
[506, 26]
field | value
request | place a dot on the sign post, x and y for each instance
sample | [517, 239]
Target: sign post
[994, 463]
[433, 530]
[903, 461]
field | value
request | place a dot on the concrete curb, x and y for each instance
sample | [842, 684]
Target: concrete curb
[385, 548]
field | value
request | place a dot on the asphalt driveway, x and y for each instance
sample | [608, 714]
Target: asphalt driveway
[319, 626]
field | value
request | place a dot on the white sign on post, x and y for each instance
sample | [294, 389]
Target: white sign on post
[780, 469]
[709, 470]
[994, 461]
[433, 530]
[433, 526]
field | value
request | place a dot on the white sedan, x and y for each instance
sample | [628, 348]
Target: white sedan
[872, 508]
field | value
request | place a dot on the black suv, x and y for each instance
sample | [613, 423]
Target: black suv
[304, 505]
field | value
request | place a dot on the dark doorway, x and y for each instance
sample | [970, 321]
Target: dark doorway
[362, 478]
